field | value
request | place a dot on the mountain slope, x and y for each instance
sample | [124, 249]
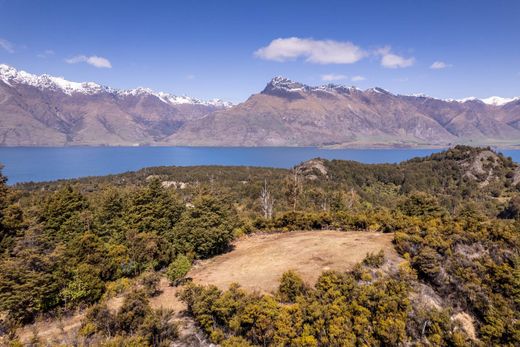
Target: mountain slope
[45, 110]
[290, 113]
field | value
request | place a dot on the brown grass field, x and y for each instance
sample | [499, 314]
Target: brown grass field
[257, 263]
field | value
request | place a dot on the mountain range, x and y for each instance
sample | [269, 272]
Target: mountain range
[51, 111]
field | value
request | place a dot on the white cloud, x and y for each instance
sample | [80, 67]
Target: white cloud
[93, 60]
[190, 77]
[314, 51]
[45, 54]
[333, 77]
[393, 61]
[6, 45]
[358, 78]
[437, 65]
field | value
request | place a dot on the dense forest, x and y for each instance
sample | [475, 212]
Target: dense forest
[69, 245]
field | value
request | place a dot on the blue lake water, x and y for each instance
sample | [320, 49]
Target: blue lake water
[23, 164]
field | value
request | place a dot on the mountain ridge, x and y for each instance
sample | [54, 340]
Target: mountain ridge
[51, 111]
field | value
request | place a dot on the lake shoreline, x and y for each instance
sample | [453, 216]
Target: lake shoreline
[43, 164]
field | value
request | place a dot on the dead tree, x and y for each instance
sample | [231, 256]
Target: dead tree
[266, 201]
[293, 187]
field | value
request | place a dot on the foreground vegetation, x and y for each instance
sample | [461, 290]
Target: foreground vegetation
[456, 217]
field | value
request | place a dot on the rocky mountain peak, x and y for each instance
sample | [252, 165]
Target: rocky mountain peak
[280, 82]
[378, 90]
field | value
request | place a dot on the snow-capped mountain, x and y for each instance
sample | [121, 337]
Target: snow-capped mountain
[11, 76]
[46, 110]
[498, 101]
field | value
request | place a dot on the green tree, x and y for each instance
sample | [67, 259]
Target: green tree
[206, 229]
[421, 204]
[60, 214]
[85, 287]
[154, 209]
[110, 215]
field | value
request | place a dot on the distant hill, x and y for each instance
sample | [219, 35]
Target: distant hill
[45, 110]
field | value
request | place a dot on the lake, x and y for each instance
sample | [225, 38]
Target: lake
[23, 164]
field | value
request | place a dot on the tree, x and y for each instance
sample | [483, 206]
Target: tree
[59, 210]
[178, 269]
[110, 215]
[154, 209]
[293, 188]
[146, 250]
[102, 319]
[421, 204]
[86, 286]
[206, 229]
[11, 216]
[266, 201]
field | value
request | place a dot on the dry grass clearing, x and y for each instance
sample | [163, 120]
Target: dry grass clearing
[258, 261]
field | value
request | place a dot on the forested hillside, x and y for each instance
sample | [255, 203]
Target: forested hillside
[455, 216]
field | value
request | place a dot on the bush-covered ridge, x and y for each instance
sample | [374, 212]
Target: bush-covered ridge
[455, 216]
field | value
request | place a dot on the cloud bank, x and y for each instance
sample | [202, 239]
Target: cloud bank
[93, 60]
[314, 51]
[328, 52]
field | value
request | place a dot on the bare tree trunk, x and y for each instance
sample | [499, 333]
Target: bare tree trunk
[266, 201]
[297, 186]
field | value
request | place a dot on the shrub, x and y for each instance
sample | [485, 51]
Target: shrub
[99, 319]
[512, 211]
[291, 286]
[374, 259]
[150, 282]
[178, 269]
[235, 341]
[133, 312]
[157, 328]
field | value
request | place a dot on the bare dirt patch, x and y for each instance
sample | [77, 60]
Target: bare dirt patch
[258, 261]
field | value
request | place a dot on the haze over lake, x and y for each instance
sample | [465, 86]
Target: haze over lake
[24, 164]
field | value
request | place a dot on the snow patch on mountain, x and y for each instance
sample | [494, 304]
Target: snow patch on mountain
[498, 101]
[492, 100]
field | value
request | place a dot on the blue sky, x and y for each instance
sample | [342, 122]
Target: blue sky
[231, 49]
